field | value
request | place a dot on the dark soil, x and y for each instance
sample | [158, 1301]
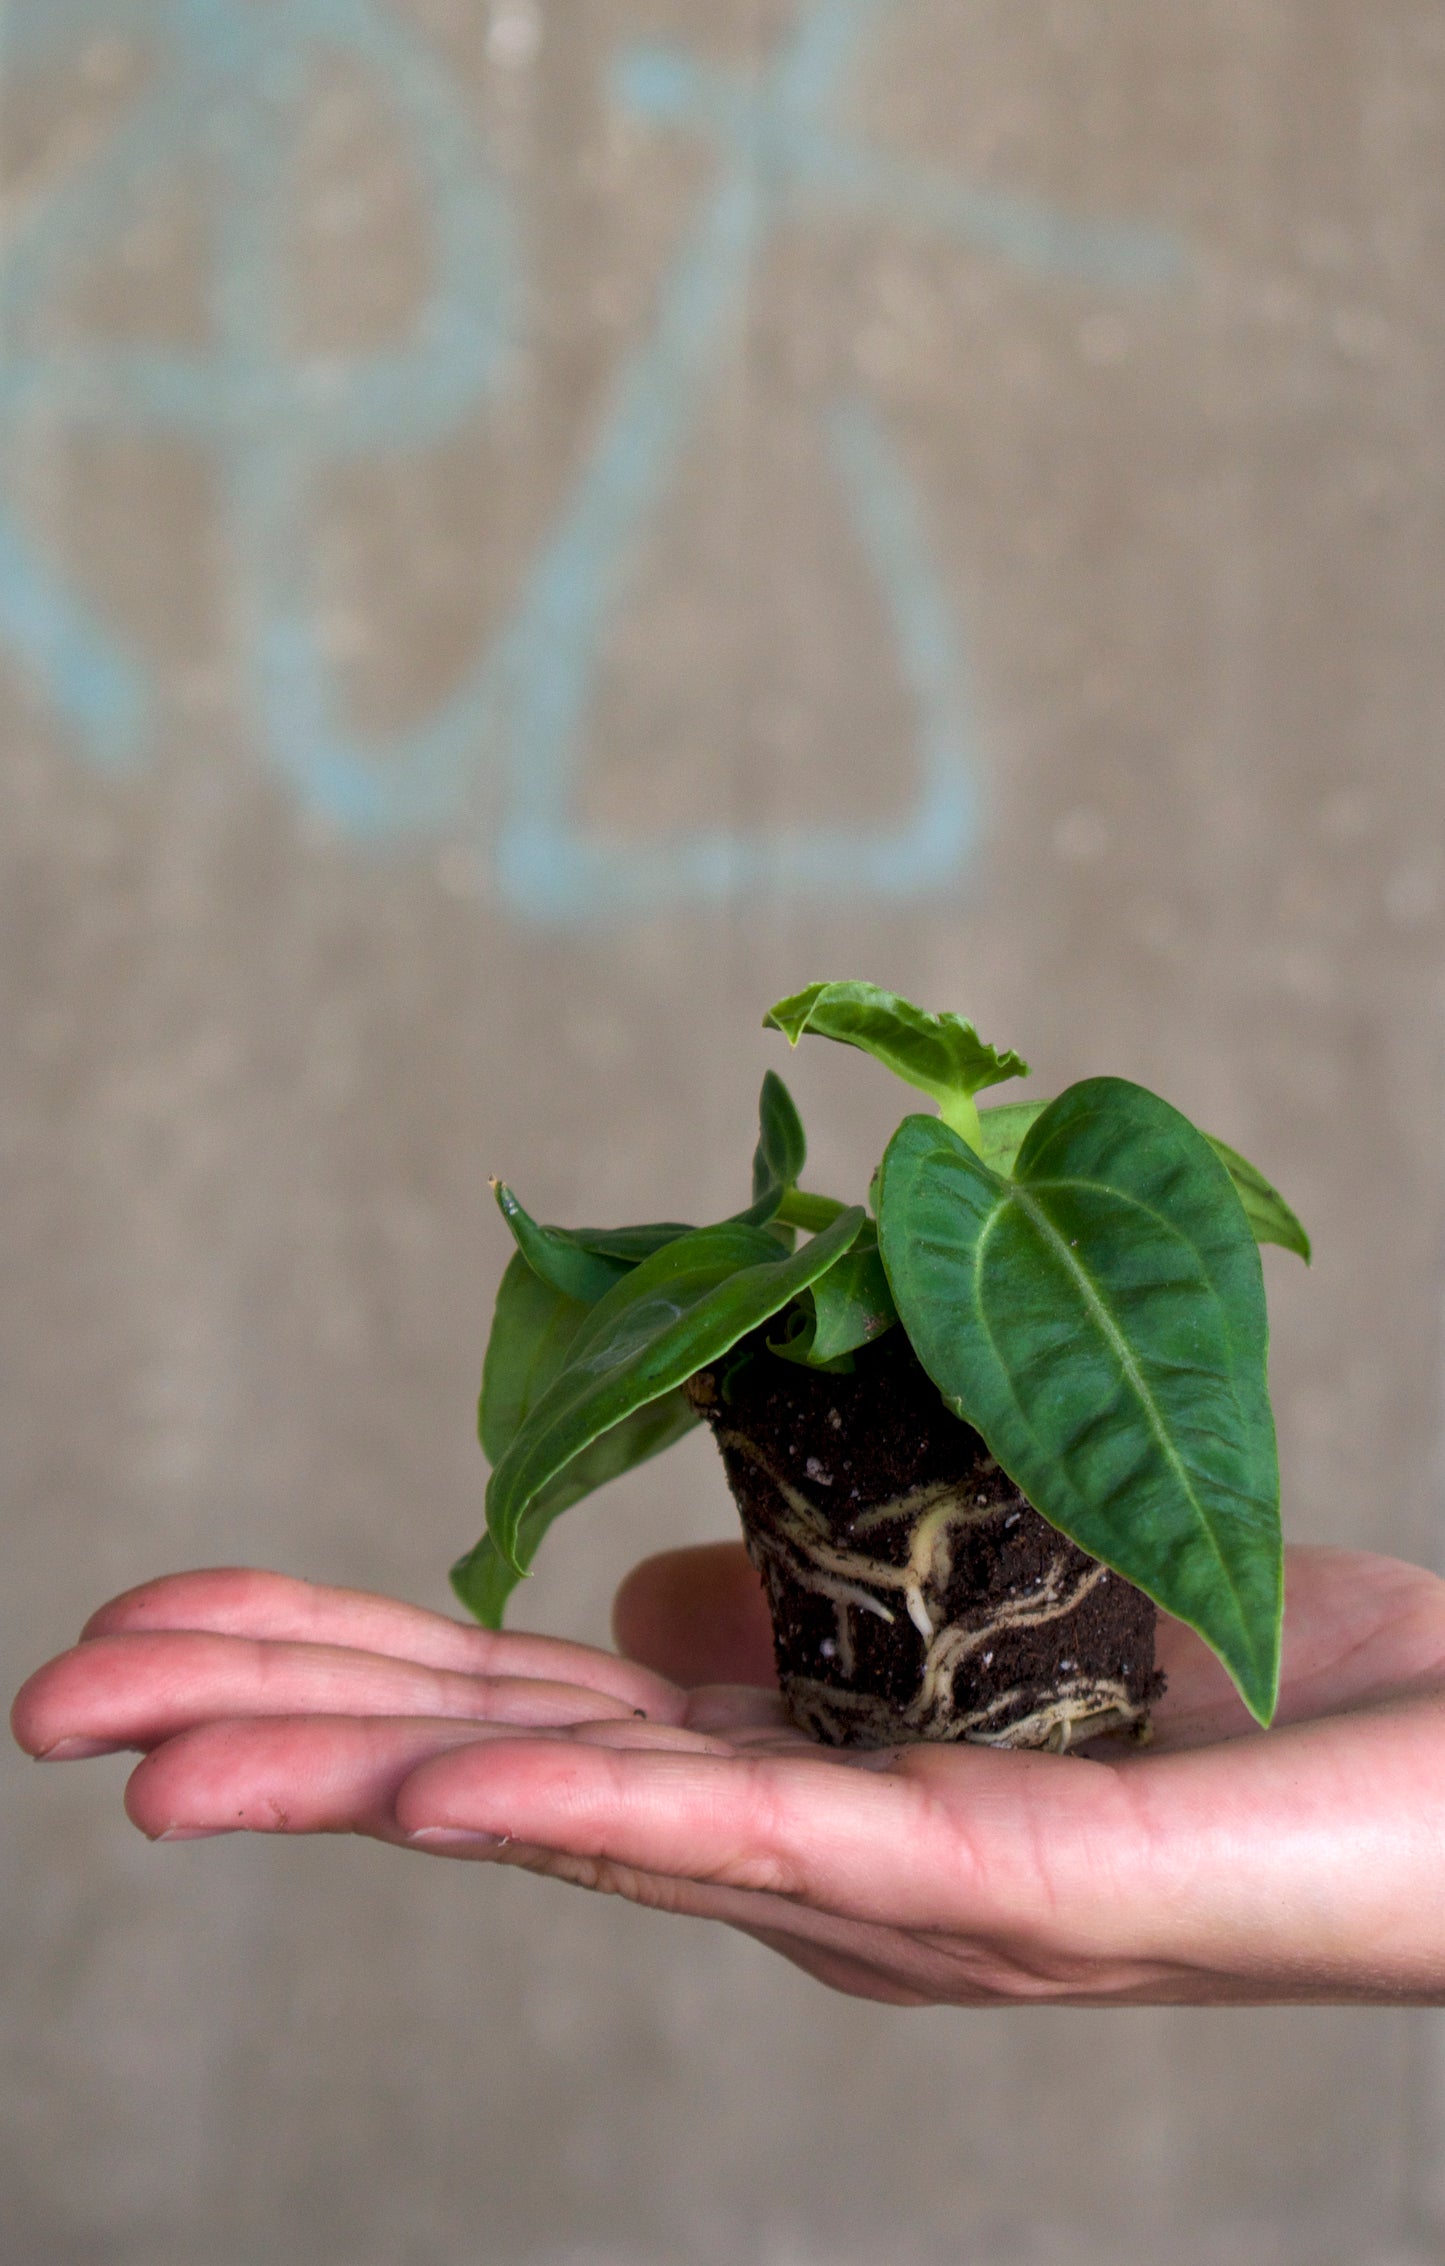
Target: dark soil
[1031, 1642]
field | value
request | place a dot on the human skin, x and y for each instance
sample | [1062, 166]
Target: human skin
[1222, 1865]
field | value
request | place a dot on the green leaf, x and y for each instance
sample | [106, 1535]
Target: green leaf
[678, 1310]
[484, 1579]
[782, 1149]
[779, 1156]
[848, 1308]
[1003, 1130]
[1100, 1319]
[556, 1256]
[532, 1327]
[582, 1263]
[628, 1244]
[801, 1208]
[940, 1054]
[1266, 1210]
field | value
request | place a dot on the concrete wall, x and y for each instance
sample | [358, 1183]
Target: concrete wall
[527, 531]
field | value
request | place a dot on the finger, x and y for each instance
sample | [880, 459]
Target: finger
[633, 1735]
[292, 1774]
[939, 1923]
[876, 1962]
[697, 1616]
[325, 1773]
[317, 1774]
[788, 1826]
[1298, 1866]
[242, 1601]
[120, 1691]
[1359, 1629]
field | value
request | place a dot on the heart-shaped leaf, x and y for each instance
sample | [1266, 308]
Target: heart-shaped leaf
[940, 1054]
[1100, 1319]
[678, 1310]
[1003, 1130]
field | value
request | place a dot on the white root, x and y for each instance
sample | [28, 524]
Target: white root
[802, 1550]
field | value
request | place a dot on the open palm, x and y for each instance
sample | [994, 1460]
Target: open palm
[1222, 1864]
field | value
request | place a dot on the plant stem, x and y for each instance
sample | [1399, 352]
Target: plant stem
[800, 1209]
[960, 1112]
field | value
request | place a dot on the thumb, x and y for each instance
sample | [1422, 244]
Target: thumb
[697, 1616]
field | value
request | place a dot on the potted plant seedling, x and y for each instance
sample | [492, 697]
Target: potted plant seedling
[978, 1428]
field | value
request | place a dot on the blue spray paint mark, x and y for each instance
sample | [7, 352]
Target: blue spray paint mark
[233, 80]
[229, 88]
[96, 690]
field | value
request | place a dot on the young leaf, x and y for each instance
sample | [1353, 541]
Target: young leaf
[555, 1255]
[849, 1307]
[629, 1244]
[583, 1263]
[940, 1054]
[484, 1579]
[1100, 1319]
[1269, 1216]
[1002, 1131]
[782, 1149]
[1266, 1210]
[780, 1155]
[677, 1311]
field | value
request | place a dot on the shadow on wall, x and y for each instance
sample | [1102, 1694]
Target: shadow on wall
[230, 81]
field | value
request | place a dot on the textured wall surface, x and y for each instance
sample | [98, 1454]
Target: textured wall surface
[526, 531]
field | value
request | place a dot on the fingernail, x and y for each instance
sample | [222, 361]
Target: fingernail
[191, 1833]
[80, 1750]
[455, 1839]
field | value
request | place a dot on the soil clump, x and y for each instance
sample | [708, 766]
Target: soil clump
[915, 1592]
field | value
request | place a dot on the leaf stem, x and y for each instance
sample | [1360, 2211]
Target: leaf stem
[959, 1112]
[799, 1208]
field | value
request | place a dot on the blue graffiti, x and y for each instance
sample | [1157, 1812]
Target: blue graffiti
[232, 77]
[229, 85]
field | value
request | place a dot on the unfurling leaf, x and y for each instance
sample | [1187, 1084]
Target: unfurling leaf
[782, 1149]
[940, 1054]
[780, 1155]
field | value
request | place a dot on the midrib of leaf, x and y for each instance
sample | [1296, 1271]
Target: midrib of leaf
[1020, 1195]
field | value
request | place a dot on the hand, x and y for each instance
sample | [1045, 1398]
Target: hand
[1220, 1865]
